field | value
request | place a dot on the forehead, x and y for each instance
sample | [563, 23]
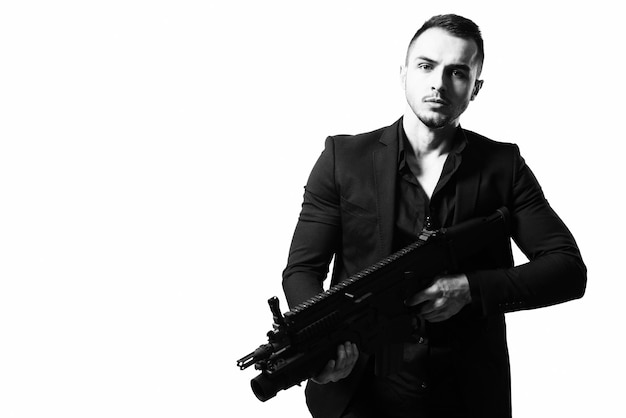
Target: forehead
[441, 46]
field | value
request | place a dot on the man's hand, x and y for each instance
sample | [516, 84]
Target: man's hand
[443, 299]
[347, 355]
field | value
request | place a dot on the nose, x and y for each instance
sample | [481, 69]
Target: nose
[438, 81]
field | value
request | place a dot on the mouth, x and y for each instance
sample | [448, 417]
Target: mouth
[436, 100]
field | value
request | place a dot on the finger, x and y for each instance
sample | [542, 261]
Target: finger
[352, 353]
[437, 317]
[348, 365]
[348, 348]
[341, 357]
[425, 295]
[324, 376]
[334, 371]
[428, 308]
[430, 316]
[355, 355]
[438, 314]
[328, 369]
[418, 298]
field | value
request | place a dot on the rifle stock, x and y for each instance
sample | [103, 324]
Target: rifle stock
[367, 308]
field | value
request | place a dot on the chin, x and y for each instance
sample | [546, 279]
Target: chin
[434, 122]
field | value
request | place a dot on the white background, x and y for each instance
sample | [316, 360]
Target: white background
[152, 160]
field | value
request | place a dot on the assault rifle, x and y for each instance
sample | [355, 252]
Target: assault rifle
[367, 308]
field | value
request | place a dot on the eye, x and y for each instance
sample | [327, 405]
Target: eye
[458, 74]
[424, 66]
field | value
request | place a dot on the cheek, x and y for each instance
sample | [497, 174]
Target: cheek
[462, 89]
[413, 88]
[415, 79]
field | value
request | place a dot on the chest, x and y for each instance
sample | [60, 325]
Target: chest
[427, 170]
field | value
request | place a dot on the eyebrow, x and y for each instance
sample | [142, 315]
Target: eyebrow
[422, 58]
[463, 67]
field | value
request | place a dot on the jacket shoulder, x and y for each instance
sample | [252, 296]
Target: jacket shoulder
[361, 139]
[479, 140]
[363, 144]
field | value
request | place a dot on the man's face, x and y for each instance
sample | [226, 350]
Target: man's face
[440, 77]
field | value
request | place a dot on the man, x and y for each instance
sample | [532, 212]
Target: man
[371, 194]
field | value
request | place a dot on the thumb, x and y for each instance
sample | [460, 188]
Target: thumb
[429, 293]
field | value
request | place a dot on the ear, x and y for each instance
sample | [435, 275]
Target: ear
[477, 86]
[402, 76]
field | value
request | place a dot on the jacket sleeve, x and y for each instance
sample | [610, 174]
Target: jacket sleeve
[318, 232]
[555, 272]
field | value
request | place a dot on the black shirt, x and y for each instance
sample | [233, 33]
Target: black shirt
[408, 392]
[412, 204]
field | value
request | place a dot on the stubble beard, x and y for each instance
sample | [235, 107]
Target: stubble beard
[434, 122]
[437, 120]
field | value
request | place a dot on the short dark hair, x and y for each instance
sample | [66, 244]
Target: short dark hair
[458, 26]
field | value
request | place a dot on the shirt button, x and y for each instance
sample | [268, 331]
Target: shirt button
[424, 385]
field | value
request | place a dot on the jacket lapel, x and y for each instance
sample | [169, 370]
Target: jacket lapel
[385, 161]
[467, 184]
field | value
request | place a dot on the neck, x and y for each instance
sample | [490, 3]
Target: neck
[425, 140]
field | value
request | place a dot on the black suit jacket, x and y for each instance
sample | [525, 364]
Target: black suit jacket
[348, 212]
